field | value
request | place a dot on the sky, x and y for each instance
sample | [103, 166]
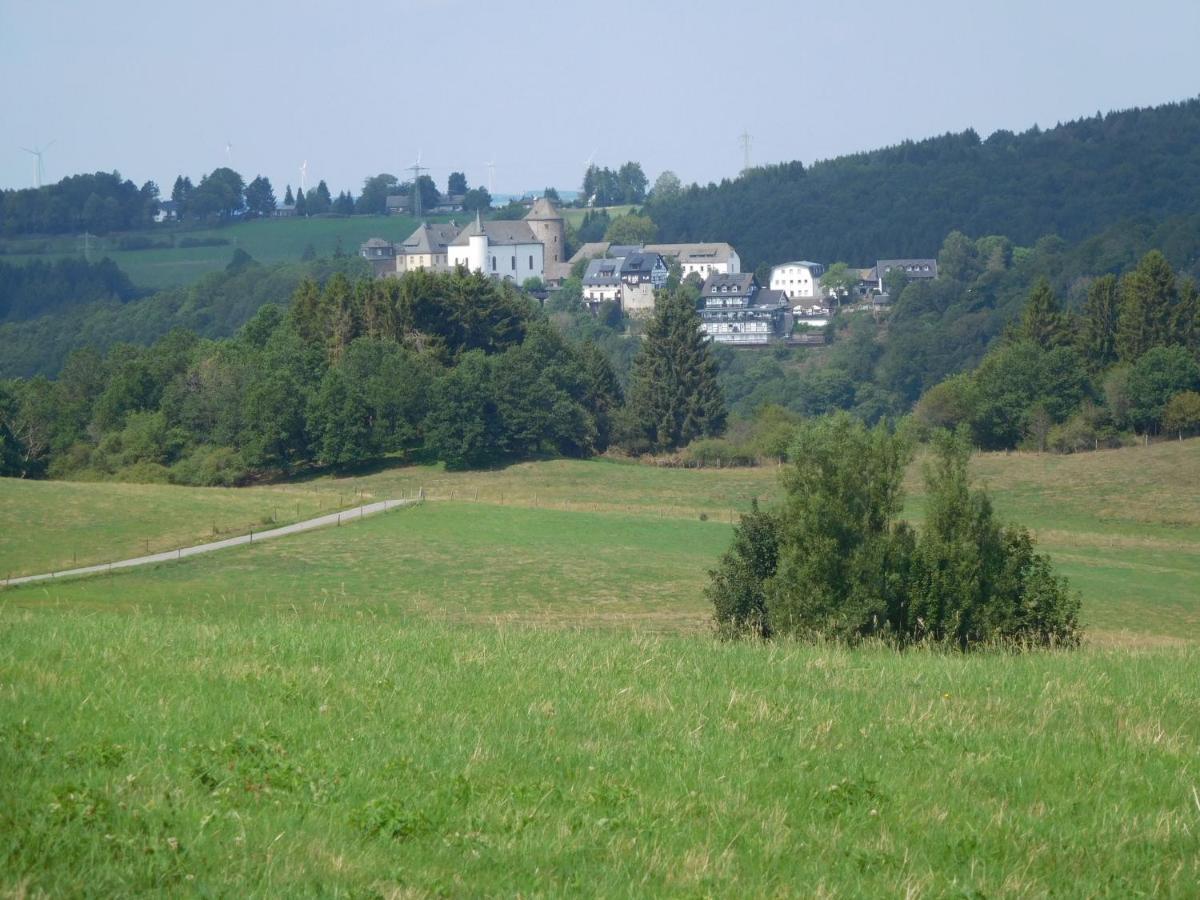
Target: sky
[154, 89]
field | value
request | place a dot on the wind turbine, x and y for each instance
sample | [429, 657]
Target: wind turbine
[229, 154]
[39, 169]
[304, 176]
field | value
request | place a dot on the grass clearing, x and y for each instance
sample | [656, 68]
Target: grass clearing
[514, 692]
[50, 525]
[573, 215]
[305, 754]
[267, 240]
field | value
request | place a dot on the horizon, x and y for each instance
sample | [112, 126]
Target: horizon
[186, 84]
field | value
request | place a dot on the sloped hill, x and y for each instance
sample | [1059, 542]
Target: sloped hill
[1072, 180]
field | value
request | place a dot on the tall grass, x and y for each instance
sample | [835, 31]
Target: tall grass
[334, 753]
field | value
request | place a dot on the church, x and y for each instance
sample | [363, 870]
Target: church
[532, 247]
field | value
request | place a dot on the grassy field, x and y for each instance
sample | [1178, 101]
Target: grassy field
[511, 690]
[50, 525]
[573, 216]
[267, 240]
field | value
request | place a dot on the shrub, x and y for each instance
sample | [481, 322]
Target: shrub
[1182, 413]
[836, 562]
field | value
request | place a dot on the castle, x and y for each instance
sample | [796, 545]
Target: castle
[532, 247]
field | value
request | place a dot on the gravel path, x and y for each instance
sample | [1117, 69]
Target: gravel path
[338, 518]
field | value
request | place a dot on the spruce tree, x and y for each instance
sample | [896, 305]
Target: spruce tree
[674, 397]
[301, 204]
[1043, 321]
[1148, 299]
[1098, 328]
[288, 199]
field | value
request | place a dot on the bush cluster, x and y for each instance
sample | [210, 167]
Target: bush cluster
[836, 561]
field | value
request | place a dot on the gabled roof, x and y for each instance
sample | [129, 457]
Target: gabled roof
[735, 283]
[626, 250]
[430, 238]
[639, 262]
[799, 262]
[766, 297]
[694, 253]
[376, 242]
[543, 209]
[498, 232]
[913, 268]
[603, 272]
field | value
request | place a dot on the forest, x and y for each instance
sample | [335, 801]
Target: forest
[1069, 181]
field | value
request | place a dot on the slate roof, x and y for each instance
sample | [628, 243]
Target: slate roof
[913, 268]
[639, 263]
[735, 283]
[543, 209]
[766, 297]
[799, 262]
[503, 232]
[694, 253]
[624, 250]
[602, 272]
[431, 238]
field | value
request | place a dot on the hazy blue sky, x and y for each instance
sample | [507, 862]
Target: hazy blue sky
[156, 88]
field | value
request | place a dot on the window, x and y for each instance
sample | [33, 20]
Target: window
[493, 264]
[531, 260]
[514, 263]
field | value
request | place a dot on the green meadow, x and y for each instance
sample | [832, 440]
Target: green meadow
[513, 689]
[267, 240]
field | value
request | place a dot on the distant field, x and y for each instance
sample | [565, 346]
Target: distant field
[267, 240]
[574, 216]
[511, 690]
[1121, 524]
[51, 525]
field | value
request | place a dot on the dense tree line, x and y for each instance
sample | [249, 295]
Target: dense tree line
[1128, 359]
[835, 561]
[901, 201]
[457, 367]
[100, 203]
[38, 287]
[608, 187]
[39, 338]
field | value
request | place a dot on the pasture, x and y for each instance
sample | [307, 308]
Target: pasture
[512, 689]
[267, 240]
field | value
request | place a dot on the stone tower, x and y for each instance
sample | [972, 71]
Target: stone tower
[548, 227]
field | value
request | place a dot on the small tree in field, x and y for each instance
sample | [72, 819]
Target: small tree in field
[674, 397]
[836, 561]
[1182, 413]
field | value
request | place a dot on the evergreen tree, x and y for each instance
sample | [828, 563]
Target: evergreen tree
[674, 397]
[288, 199]
[301, 204]
[1148, 298]
[1098, 325]
[1043, 321]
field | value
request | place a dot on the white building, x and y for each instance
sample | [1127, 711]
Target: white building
[800, 279]
[507, 250]
[702, 259]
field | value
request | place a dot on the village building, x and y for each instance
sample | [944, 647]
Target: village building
[602, 282]
[642, 274]
[735, 310]
[913, 269]
[508, 250]
[700, 259]
[800, 279]
[511, 250]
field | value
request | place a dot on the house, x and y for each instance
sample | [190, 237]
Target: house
[800, 279]
[912, 268]
[168, 211]
[427, 248]
[642, 274]
[396, 205]
[701, 259]
[380, 254]
[815, 315]
[735, 310]
[284, 210]
[508, 250]
[602, 282]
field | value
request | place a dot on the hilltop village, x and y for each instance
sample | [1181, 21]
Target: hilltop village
[795, 304]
